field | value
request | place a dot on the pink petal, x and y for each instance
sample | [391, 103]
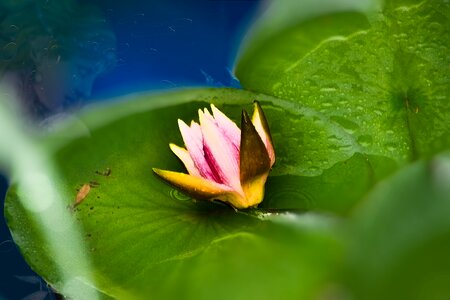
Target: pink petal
[193, 140]
[220, 153]
[184, 156]
[228, 127]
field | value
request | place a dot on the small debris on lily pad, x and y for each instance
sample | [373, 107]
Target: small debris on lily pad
[106, 172]
[82, 194]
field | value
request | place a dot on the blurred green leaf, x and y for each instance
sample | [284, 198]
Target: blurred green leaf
[400, 236]
[387, 83]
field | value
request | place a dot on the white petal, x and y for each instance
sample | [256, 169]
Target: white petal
[184, 156]
[228, 127]
[194, 144]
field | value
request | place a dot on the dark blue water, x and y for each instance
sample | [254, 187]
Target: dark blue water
[181, 43]
[158, 45]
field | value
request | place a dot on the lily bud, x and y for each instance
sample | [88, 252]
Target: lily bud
[224, 162]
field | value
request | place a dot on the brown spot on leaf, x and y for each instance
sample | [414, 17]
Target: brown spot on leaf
[94, 183]
[106, 172]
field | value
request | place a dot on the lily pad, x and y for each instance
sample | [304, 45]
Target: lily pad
[400, 236]
[305, 24]
[143, 238]
[337, 189]
[386, 82]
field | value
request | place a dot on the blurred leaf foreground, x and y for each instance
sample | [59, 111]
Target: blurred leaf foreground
[357, 205]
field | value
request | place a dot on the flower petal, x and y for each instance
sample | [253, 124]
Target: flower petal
[197, 187]
[203, 189]
[254, 162]
[184, 156]
[192, 137]
[254, 190]
[261, 126]
[228, 127]
[220, 153]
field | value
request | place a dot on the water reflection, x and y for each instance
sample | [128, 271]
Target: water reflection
[51, 52]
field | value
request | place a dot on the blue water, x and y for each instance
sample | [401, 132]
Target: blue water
[174, 45]
[159, 45]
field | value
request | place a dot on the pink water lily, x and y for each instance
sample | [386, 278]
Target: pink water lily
[224, 162]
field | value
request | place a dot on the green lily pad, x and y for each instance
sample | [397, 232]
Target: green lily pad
[400, 236]
[143, 238]
[386, 80]
[305, 24]
[337, 189]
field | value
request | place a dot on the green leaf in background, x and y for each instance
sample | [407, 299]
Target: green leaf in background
[400, 236]
[386, 83]
[292, 28]
[144, 238]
